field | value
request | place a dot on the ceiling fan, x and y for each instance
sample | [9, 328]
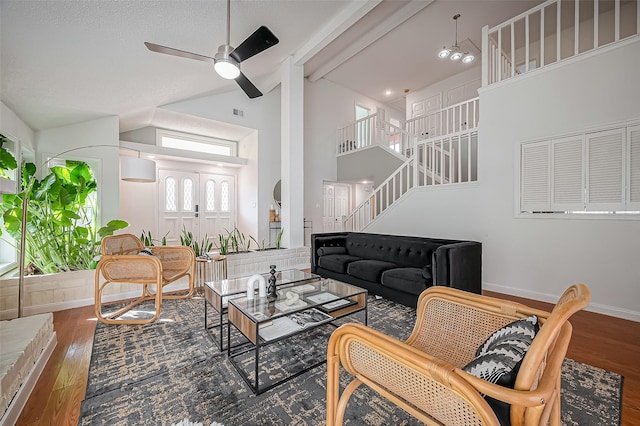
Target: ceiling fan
[227, 61]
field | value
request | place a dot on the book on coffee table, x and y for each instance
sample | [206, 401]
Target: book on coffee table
[292, 323]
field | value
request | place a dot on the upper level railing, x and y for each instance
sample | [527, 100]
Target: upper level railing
[452, 119]
[372, 130]
[554, 31]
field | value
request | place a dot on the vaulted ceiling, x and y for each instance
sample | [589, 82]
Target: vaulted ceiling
[68, 61]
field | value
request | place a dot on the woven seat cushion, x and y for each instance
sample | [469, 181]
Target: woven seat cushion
[369, 270]
[408, 280]
[336, 262]
[499, 358]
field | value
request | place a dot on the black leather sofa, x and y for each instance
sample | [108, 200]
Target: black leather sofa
[397, 267]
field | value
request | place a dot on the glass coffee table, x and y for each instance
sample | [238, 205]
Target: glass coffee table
[291, 324]
[218, 293]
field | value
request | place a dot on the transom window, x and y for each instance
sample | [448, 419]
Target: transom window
[197, 143]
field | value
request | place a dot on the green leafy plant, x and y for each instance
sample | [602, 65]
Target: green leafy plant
[7, 160]
[279, 239]
[223, 246]
[62, 232]
[239, 243]
[200, 248]
[148, 240]
[261, 246]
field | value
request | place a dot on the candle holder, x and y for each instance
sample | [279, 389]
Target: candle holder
[271, 290]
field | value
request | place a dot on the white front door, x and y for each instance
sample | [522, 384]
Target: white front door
[200, 203]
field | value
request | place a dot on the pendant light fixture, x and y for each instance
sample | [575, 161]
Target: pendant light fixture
[454, 52]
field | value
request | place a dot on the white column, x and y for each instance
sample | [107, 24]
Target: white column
[292, 154]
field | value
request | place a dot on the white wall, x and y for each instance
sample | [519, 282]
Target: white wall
[539, 258]
[249, 219]
[12, 125]
[262, 114]
[103, 131]
[327, 107]
[471, 77]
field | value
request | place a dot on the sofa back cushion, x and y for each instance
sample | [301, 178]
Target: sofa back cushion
[401, 250]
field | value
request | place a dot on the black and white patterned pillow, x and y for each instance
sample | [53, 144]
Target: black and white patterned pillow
[146, 252]
[498, 359]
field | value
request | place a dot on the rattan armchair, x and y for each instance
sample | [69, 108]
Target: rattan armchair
[423, 375]
[121, 263]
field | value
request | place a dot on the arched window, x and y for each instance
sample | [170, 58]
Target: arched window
[170, 197]
[210, 191]
[224, 196]
[187, 195]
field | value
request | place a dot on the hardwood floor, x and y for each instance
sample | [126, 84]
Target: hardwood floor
[609, 343]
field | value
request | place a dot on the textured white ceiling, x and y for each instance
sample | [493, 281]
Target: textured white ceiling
[68, 61]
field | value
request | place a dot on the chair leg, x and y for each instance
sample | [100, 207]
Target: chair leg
[344, 399]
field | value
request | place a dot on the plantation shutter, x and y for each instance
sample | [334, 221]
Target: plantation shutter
[567, 184]
[534, 178]
[633, 198]
[606, 170]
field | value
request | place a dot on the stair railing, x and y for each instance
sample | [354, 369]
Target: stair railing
[372, 130]
[452, 119]
[387, 193]
[516, 46]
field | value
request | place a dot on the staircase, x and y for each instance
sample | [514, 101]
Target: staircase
[440, 149]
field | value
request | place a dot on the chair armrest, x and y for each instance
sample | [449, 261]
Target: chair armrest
[427, 387]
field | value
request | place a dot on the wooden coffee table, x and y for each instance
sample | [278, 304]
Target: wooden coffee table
[299, 308]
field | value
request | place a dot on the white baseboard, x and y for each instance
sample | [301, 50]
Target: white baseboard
[612, 311]
[18, 402]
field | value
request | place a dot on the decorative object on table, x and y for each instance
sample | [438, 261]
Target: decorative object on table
[272, 284]
[262, 286]
[272, 214]
[292, 298]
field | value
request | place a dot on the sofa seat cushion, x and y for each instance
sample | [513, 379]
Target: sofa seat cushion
[369, 270]
[408, 280]
[336, 262]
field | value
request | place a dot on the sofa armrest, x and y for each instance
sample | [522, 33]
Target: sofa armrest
[459, 265]
[334, 239]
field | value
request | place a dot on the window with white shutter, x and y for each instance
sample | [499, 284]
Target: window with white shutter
[567, 185]
[588, 173]
[605, 170]
[633, 168]
[534, 190]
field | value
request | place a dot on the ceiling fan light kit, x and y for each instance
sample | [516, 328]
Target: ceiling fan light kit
[227, 61]
[454, 52]
[225, 65]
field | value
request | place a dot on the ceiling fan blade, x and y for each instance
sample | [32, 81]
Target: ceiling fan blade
[175, 52]
[248, 87]
[260, 40]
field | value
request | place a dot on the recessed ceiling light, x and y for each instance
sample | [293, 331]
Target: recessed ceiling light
[388, 92]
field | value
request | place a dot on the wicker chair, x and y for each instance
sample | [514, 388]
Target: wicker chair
[423, 375]
[121, 263]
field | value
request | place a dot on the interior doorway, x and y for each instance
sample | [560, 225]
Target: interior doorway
[336, 198]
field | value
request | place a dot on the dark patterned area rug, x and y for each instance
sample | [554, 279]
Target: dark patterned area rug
[170, 371]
